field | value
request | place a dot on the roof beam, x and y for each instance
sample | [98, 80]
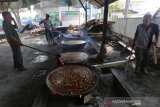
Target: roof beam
[98, 2]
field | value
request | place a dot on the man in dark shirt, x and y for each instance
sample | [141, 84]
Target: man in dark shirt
[143, 41]
[13, 40]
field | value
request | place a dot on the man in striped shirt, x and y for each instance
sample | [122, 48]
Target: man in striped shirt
[143, 41]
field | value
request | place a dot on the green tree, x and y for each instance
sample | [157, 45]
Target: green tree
[115, 6]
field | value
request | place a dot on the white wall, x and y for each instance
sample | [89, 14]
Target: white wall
[128, 29]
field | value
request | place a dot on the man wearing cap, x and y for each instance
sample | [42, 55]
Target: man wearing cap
[143, 41]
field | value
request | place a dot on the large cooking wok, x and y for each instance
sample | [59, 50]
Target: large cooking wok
[73, 44]
[74, 57]
[61, 86]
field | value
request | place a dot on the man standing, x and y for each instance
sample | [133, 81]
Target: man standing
[13, 40]
[143, 41]
[48, 29]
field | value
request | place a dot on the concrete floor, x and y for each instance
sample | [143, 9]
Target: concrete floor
[18, 89]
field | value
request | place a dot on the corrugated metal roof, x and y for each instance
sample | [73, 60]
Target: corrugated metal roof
[27, 3]
[8, 0]
[16, 4]
[76, 3]
[73, 3]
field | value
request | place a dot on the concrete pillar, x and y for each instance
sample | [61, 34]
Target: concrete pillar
[126, 8]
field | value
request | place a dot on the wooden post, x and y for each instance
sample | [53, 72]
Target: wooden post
[154, 54]
[105, 28]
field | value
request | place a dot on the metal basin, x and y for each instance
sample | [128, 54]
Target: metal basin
[69, 44]
[72, 80]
